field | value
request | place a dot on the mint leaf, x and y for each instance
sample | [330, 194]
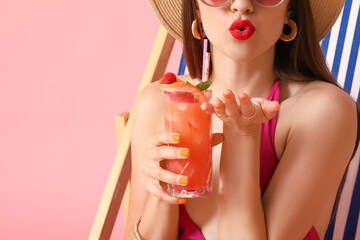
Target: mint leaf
[204, 85]
[188, 82]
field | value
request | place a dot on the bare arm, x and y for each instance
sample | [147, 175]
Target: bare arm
[319, 146]
[159, 218]
[240, 212]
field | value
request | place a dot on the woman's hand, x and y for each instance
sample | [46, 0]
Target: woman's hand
[155, 177]
[242, 115]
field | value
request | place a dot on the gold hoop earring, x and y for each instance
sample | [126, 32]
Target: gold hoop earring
[195, 30]
[291, 36]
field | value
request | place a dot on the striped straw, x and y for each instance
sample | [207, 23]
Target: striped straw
[207, 66]
[205, 76]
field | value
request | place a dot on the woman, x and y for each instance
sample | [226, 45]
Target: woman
[254, 67]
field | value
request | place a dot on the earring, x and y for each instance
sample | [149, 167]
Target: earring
[291, 36]
[195, 30]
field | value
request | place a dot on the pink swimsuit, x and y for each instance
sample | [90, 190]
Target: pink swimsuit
[268, 162]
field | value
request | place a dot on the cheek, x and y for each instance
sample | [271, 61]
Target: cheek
[216, 31]
[271, 28]
[210, 23]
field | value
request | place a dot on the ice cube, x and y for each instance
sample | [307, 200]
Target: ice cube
[182, 106]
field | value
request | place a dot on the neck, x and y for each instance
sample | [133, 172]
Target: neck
[253, 76]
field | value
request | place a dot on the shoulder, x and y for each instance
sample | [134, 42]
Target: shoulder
[323, 112]
[320, 99]
[148, 107]
[151, 95]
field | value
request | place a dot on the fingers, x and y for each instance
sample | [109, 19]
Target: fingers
[207, 107]
[231, 106]
[165, 176]
[167, 152]
[246, 111]
[247, 107]
[155, 176]
[165, 137]
[219, 108]
[270, 108]
[154, 188]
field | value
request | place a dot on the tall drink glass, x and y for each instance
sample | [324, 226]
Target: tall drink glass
[183, 115]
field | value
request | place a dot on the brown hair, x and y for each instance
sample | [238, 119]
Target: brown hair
[192, 47]
[299, 60]
[302, 59]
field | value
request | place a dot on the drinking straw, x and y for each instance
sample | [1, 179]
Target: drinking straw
[204, 61]
[207, 66]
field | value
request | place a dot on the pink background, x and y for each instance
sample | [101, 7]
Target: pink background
[67, 68]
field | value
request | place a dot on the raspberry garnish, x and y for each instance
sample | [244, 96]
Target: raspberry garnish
[168, 78]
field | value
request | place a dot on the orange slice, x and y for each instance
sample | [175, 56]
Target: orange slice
[181, 91]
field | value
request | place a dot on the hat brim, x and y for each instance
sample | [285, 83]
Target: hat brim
[325, 13]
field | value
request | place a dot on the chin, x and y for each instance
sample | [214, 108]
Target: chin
[249, 52]
[242, 55]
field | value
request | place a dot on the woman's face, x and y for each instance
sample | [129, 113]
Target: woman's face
[268, 23]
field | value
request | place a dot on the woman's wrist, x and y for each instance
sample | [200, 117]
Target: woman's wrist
[166, 224]
[253, 131]
[240, 159]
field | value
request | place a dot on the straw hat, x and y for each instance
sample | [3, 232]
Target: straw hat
[325, 13]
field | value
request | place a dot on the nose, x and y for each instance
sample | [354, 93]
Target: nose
[242, 6]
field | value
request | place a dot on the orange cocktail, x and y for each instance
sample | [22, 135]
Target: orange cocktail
[183, 115]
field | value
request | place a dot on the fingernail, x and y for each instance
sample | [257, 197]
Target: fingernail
[217, 106]
[227, 95]
[184, 152]
[277, 109]
[176, 138]
[242, 99]
[183, 181]
[182, 201]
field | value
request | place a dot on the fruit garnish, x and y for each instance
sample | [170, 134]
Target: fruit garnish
[204, 85]
[182, 91]
[168, 78]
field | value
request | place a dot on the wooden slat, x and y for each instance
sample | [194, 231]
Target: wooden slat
[120, 124]
[159, 58]
[121, 169]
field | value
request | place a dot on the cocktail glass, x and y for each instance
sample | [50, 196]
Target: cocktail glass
[183, 115]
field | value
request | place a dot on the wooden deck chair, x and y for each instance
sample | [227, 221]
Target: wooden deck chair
[341, 47]
[117, 185]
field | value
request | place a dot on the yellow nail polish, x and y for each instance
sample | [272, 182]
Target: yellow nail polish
[184, 152]
[182, 201]
[183, 181]
[176, 138]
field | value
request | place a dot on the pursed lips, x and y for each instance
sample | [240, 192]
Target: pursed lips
[242, 29]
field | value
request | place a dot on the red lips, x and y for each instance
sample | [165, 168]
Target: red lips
[242, 29]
